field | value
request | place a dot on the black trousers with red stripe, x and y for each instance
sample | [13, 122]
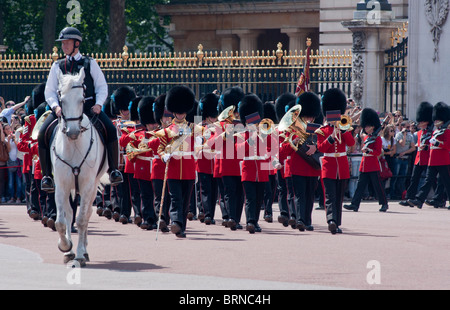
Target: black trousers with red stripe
[363, 181]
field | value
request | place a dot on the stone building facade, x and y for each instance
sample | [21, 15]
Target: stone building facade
[233, 25]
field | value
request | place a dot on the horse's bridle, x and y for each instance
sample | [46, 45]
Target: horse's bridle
[74, 119]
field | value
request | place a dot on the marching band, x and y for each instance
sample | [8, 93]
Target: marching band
[237, 152]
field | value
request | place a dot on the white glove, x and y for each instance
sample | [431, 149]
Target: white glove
[433, 141]
[198, 141]
[166, 157]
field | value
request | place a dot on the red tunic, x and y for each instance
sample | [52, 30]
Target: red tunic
[335, 163]
[143, 161]
[297, 165]
[370, 162]
[422, 156]
[182, 162]
[25, 142]
[440, 151]
[256, 158]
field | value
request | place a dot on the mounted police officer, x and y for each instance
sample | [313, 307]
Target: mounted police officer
[96, 92]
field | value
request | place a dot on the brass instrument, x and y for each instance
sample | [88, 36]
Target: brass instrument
[266, 126]
[227, 114]
[133, 152]
[39, 123]
[345, 123]
[292, 123]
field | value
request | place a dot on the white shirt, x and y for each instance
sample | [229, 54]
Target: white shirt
[8, 113]
[100, 86]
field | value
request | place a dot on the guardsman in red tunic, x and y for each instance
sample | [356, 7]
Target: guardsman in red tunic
[424, 118]
[164, 119]
[304, 176]
[254, 147]
[333, 143]
[177, 146]
[229, 163]
[369, 169]
[285, 193]
[24, 146]
[209, 189]
[121, 100]
[439, 162]
[271, 186]
[143, 160]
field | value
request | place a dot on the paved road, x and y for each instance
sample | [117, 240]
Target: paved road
[405, 248]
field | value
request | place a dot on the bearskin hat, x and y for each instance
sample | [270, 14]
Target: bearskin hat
[145, 110]
[40, 110]
[37, 97]
[107, 108]
[121, 98]
[334, 99]
[441, 112]
[270, 112]
[284, 103]
[208, 106]
[424, 113]
[133, 108]
[231, 96]
[250, 104]
[310, 103]
[159, 107]
[369, 117]
[180, 99]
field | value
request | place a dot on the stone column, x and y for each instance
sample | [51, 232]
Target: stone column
[429, 38]
[249, 39]
[371, 36]
[297, 38]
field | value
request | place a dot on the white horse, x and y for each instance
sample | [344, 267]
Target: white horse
[76, 153]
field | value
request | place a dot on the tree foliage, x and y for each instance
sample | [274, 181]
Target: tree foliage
[23, 21]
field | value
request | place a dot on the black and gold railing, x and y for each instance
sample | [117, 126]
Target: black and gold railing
[266, 73]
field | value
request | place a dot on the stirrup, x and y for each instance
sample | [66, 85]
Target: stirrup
[47, 184]
[115, 177]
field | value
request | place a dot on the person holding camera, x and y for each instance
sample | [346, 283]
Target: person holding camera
[405, 146]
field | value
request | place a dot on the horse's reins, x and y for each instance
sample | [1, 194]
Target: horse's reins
[76, 170]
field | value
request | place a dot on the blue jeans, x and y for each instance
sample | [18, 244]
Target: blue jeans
[398, 179]
[14, 177]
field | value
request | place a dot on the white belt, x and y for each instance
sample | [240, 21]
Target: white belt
[367, 155]
[179, 153]
[156, 157]
[335, 154]
[145, 158]
[255, 158]
[436, 148]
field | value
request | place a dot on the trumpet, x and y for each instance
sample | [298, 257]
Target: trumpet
[345, 123]
[266, 126]
[227, 114]
[133, 152]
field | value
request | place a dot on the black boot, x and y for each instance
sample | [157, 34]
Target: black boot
[115, 176]
[47, 183]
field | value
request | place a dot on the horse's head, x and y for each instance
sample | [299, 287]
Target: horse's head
[71, 93]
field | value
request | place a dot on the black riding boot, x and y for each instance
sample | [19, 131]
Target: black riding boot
[115, 176]
[47, 183]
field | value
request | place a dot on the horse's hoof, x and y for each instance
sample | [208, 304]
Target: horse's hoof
[65, 250]
[69, 257]
[86, 256]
